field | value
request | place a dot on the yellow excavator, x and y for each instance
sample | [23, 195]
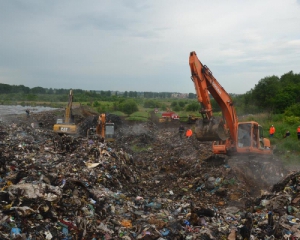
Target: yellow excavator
[66, 125]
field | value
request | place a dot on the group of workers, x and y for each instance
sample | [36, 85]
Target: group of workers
[287, 133]
[272, 131]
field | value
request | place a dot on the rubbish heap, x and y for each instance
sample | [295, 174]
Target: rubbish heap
[148, 184]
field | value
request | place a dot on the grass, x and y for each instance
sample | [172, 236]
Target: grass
[138, 116]
[118, 113]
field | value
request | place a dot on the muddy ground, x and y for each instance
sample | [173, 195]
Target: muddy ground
[159, 179]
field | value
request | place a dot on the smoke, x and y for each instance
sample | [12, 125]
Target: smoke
[258, 173]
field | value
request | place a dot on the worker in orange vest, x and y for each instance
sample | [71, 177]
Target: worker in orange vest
[189, 133]
[298, 132]
[272, 131]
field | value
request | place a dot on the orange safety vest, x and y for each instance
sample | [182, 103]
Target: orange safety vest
[189, 133]
[272, 130]
[298, 130]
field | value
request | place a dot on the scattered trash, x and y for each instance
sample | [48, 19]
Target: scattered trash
[73, 187]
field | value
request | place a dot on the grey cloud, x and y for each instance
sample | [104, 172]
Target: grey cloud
[144, 45]
[99, 22]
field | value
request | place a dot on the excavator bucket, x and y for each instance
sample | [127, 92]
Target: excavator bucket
[210, 130]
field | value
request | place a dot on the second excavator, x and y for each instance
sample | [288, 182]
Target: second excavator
[104, 129]
[228, 135]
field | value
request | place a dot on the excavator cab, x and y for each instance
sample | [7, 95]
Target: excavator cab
[64, 128]
[109, 131]
[250, 138]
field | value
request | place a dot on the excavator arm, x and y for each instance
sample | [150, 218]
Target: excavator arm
[68, 113]
[100, 129]
[105, 128]
[205, 83]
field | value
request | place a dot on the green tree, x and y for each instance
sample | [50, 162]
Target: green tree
[38, 90]
[283, 100]
[182, 104]
[150, 103]
[293, 110]
[5, 88]
[96, 104]
[31, 97]
[192, 95]
[129, 106]
[193, 107]
[264, 93]
[177, 108]
[174, 104]
[132, 94]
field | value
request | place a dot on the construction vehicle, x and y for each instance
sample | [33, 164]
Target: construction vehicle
[228, 135]
[66, 125]
[104, 129]
[168, 116]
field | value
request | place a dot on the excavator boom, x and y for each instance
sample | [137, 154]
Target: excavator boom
[205, 83]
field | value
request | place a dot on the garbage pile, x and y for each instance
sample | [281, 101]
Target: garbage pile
[148, 184]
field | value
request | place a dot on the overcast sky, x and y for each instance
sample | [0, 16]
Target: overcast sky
[144, 45]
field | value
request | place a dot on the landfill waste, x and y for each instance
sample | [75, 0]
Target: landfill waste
[148, 184]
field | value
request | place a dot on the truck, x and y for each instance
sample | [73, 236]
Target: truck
[168, 116]
[229, 136]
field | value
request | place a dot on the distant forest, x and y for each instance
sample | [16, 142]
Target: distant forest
[36, 93]
[271, 94]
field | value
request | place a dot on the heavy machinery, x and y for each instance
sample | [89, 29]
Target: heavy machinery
[228, 135]
[66, 125]
[168, 116]
[104, 129]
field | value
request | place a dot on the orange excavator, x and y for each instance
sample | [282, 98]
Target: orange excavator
[228, 135]
[104, 129]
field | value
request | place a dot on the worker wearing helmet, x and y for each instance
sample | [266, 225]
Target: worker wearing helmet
[298, 132]
[272, 131]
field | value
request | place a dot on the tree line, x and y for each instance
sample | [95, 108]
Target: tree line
[26, 91]
[271, 94]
